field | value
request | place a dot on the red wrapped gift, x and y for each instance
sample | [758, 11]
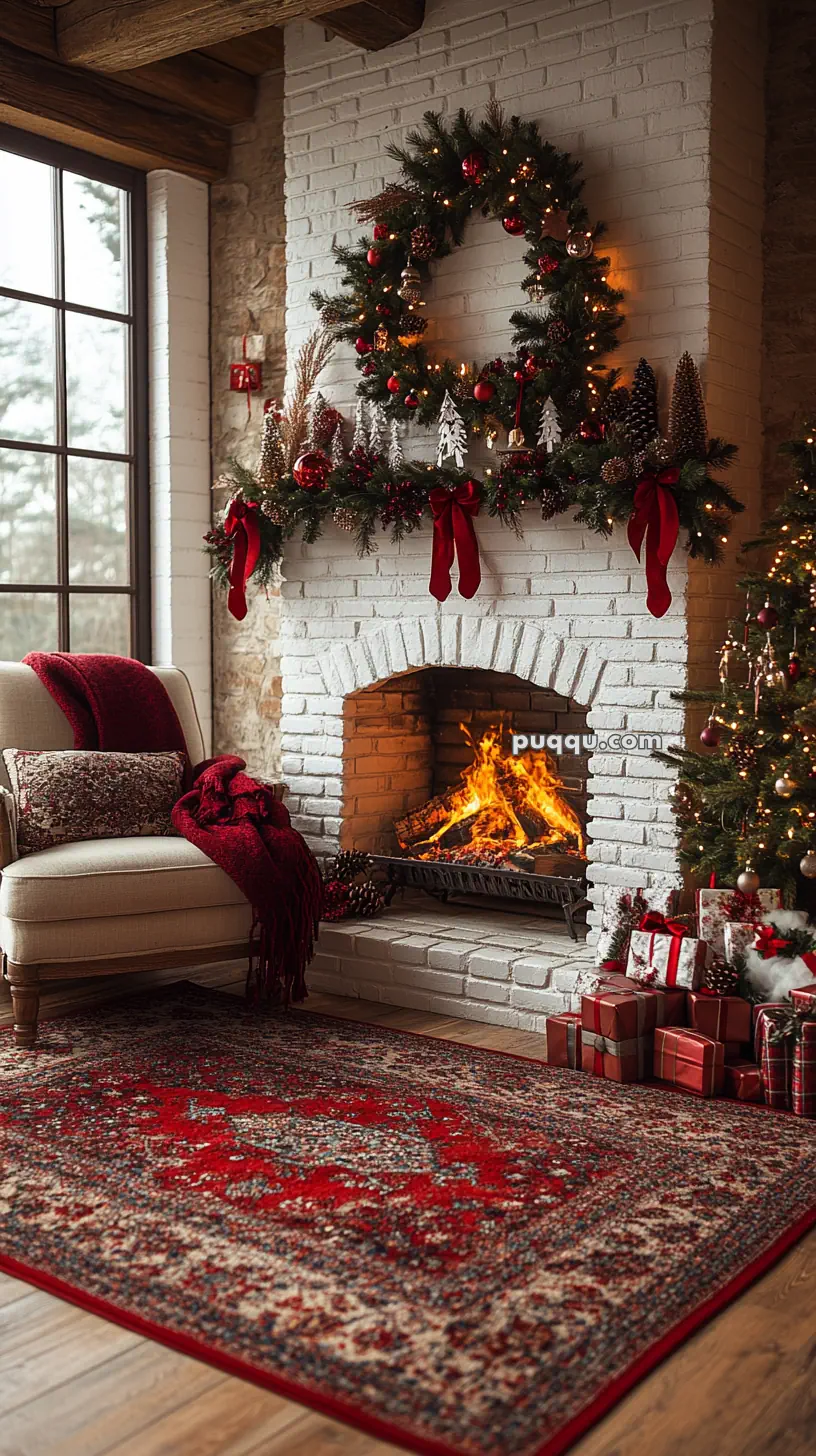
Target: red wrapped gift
[626, 1060]
[804, 997]
[622, 1009]
[743, 1080]
[689, 1060]
[725, 1018]
[563, 1034]
[773, 1052]
[662, 953]
[803, 1081]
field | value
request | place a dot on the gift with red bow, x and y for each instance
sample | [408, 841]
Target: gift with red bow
[718, 908]
[621, 912]
[662, 953]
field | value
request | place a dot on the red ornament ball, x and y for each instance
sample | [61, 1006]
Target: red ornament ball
[483, 391]
[393, 385]
[514, 224]
[519, 376]
[531, 365]
[793, 670]
[547, 264]
[374, 257]
[369, 368]
[412, 400]
[384, 310]
[768, 617]
[474, 166]
[311, 471]
[710, 736]
[362, 346]
[380, 232]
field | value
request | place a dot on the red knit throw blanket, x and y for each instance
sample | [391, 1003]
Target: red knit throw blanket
[118, 705]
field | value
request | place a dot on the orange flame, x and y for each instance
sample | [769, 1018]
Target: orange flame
[499, 793]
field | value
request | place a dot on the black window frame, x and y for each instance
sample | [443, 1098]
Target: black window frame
[134, 183]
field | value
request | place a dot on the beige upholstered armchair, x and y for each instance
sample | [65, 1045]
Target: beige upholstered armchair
[103, 905]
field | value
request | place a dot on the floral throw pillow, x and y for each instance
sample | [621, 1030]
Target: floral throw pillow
[64, 796]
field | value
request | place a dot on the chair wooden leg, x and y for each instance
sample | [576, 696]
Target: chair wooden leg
[25, 1003]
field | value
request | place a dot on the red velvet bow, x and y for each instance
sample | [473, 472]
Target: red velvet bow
[654, 515]
[241, 521]
[769, 943]
[654, 921]
[455, 535]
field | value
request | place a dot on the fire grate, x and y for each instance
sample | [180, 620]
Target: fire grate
[444, 880]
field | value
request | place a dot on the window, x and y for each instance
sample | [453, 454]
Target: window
[74, 565]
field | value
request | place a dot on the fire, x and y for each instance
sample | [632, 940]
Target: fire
[502, 805]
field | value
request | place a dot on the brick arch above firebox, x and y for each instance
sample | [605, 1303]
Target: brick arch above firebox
[534, 651]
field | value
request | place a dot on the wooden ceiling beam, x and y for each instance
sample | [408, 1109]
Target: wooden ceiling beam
[256, 53]
[117, 35]
[107, 118]
[375, 24]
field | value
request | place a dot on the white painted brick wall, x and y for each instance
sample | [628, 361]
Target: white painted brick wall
[179, 333]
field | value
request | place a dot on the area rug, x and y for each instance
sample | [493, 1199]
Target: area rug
[463, 1252]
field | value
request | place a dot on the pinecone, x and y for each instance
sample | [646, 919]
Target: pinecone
[275, 513]
[615, 405]
[365, 899]
[688, 427]
[350, 863]
[722, 979]
[615, 470]
[639, 463]
[331, 314]
[558, 331]
[344, 518]
[335, 900]
[423, 242]
[659, 452]
[641, 421]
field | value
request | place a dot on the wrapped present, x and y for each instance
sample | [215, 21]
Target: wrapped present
[662, 953]
[563, 1034]
[623, 910]
[773, 1054]
[620, 1061]
[742, 1080]
[803, 1081]
[804, 997]
[783, 957]
[725, 1018]
[621, 1012]
[715, 908]
[785, 1048]
[689, 1060]
[738, 937]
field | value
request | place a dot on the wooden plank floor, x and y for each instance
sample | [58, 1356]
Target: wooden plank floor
[75, 1385]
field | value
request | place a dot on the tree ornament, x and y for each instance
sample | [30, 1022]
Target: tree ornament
[383, 309]
[742, 753]
[338, 453]
[325, 421]
[380, 232]
[514, 224]
[423, 242]
[793, 671]
[768, 617]
[555, 224]
[410, 289]
[276, 513]
[784, 787]
[688, 427]
[396, 455]
[271, 461]
[615, 470]
[411, 400]
[659, 453]
[452, 434]
[527, 171]
[711, 736]
[474, 166]
[344, 518]
[331, 314]
[558, 331]
[362, 345]
[483, 391]
[539, 294]
[519, 376]
[549, 428]
[579, 244]
[378, 429]
[748, 882]
[393, 385]
[546, 264]
[807, 865]
[311, 471]
[641, 423]
[369, 369]
[360, 437]
[381, 339]
[374, 257]
[516, 439]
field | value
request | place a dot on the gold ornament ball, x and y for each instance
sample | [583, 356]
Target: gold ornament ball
[784, 787]
[410, 289]
[748, 882]
[807, 865]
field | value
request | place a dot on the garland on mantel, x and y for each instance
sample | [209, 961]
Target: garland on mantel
[598, 447]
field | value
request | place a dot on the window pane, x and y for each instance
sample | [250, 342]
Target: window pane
[27, 230]
[97, 522]
[28, 623]
[27, 371]
[100, 623]
[95, 359]
[28, 515]
[95, 220]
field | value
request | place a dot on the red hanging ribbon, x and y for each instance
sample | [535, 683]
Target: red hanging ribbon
[241, 521]
[455, 536]
[654, 515]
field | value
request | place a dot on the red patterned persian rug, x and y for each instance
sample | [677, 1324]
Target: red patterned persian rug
[464, 1252]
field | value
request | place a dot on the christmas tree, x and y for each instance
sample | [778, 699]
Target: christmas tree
[549, 430]
[688, 426]
[452, 433]
[746, 803]
[271, 462]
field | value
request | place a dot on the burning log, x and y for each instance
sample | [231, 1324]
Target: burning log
[420, 824]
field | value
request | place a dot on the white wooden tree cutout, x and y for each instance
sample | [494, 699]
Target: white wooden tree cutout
[396, 454]
[549, 431]
[377, 431]
[360, 438]
[452, 433]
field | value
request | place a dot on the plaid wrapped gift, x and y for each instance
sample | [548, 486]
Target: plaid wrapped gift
[773, 1053]
[618, 1061]
[804, 997]
[689, 1060]
[803, 1082]
[621, 910]
[785, 1041]
[725, 1018]
[563, 1036]
[715, 908]
[664, 954]
[738, 937]
[743, 1080]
